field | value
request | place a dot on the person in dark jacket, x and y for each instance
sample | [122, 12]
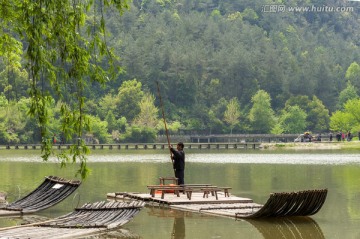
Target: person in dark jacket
[178, 157]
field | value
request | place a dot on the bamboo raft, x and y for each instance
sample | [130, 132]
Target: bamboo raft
[283, 204]
[302, 203]
[52, 191]
[91, 219]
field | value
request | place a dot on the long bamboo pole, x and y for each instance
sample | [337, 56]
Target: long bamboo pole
[166, 129]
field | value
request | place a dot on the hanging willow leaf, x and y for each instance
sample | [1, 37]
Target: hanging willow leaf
[61, 58]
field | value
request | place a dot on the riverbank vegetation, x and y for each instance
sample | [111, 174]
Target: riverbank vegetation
[342, 145]
[223, 67]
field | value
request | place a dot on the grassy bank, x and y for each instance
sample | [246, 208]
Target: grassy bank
[313, 145]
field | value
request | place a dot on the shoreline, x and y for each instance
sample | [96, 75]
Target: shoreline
[311, 145]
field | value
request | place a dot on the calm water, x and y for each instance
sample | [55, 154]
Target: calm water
[253, 174]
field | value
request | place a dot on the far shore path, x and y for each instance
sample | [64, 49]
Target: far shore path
[312, 145]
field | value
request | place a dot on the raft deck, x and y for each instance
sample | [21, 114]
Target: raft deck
[224, 206]
[283, 204]
[90, 219]
[173, 199]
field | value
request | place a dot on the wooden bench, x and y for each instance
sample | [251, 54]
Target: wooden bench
[212, 190]
[171, 179]
[188, 192]
[226, 191]
[190, 188]
[164, 189]
[196, 185]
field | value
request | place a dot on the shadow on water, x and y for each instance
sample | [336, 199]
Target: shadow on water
[289, 228]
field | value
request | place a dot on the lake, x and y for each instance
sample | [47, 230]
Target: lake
[250, 173]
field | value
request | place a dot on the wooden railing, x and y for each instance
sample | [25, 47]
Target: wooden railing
[144, 146]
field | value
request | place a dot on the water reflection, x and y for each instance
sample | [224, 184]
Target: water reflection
[178, 231]
[178, 228]
[120, 233]
[298, 157]
[289, 228]
[255, 179]
[269, 228]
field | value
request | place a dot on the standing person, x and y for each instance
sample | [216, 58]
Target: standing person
[331, 136]
[338, 136]
[348, 136]
[178, 157]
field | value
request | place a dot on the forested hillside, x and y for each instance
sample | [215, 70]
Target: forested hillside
[235, 66]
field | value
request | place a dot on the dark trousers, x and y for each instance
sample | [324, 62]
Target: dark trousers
[180, 175]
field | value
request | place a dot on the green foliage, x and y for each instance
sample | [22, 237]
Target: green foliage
[13, 122]
[122, 124]
[293, 120]
[250, 15]
[110, 119]
[139, 134]
[60, 60]
[277, 129]
[194, 124]
[348, 119]
[235, 16]
[173, 127]
[317, 116]
[346, 94]
[340, 121]
[261, 115]
[107, 103]
[99, 129]
[214, 122]
[130, 95]
[148, 115]
[353, 75]
[203, 54]
[232, 113]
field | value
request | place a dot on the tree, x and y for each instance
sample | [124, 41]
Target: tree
[173, 127]
[140, 134]
[340, 121]
[61, 57]
[110, 119]
[317, 116]
[353, 75]
[129, 97]
[216, 116]
[261, 115]
[277, 129]
[293, 120]
[347, 119]
[232, 113]
[13, 122]
[148, 115]
[107, 103]
[214, 122]
[346, 94]
[99, 129]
